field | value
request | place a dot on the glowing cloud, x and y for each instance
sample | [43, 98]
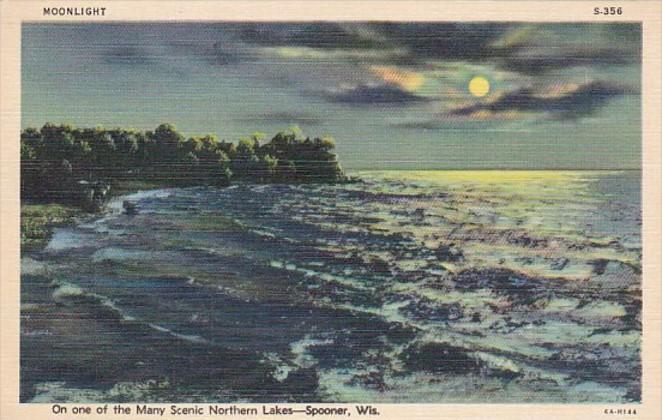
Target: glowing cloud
[406, 80]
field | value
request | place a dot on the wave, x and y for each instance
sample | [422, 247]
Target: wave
[68, 292]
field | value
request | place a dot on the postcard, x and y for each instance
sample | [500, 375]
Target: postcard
[376, 209]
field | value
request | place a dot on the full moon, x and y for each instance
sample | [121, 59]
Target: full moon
[479, 86]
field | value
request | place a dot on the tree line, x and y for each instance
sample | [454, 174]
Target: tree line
[66, 164]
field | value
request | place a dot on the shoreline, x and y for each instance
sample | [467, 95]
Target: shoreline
[75, 214]
[57, 317]
[38, 218]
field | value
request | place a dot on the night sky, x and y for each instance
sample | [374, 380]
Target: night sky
[393, 95]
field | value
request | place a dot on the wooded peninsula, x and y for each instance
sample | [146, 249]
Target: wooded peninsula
[67, 172]
[79, 166]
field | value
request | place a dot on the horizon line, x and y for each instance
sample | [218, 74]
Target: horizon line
[497, 169]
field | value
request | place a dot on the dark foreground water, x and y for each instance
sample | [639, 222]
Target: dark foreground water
[406, 287]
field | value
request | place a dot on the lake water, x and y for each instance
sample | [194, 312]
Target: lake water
[408, 286]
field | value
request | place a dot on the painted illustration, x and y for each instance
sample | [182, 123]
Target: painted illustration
[381, 212]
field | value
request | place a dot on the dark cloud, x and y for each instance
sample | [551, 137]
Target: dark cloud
[127, 55]
[535, 62]
[284, 118]
[177, 56]
[215, 53]
[151, 43]
[534, 51]
[526, 49]
[421, 125]
[565, 103]
[215, 43]
[373, 94]
[322, 35]
[436, 40]
[447, 40]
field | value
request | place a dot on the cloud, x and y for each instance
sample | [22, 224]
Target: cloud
[539, 61]
[336, 54]
[446, 40]
[168, 54]
[218, 52]
[320, 35]
[571, 101]
[420, 40]
[524, 48]
[446, 121]
[463, 41]
[127, 55]
[527, 49]
[168, 44]
[223, 53]
[284, 118]
[373, 94]
[421, 125]
[561, 101]
[404, 79]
